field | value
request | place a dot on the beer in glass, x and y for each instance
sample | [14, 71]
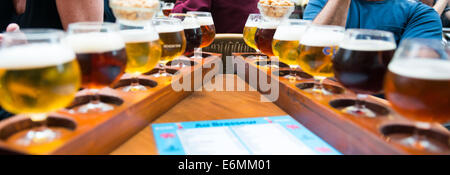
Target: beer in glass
[361, 64]
[264, 36]
[317, 47]
[250, 30]
[143, 51]
[286, 42]
[38, 75]
[418, 86]
[173, 41]
[207, 26]
[101, 54]
[192, 31]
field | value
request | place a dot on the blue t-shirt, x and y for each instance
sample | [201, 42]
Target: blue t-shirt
[404, 18]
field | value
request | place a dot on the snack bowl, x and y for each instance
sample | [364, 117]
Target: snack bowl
[275, 12]
[134, 11]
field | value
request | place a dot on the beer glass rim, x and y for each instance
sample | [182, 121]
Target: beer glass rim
[415, 44]
[371, 32]
[182, 14]
[200, 13]
[94, 25]
[312, 25]
[299, 21]
[166, 19]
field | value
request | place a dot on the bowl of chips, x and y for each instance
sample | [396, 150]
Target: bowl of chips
[134, 11]
[276, 9]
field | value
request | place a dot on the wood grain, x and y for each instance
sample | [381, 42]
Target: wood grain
[200, 106]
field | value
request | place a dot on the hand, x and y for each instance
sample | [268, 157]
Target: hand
[11, 28]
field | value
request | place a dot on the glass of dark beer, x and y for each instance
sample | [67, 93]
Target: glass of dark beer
[264, 36]
[192, 31]
[361, 64]
[207, 25]
[101, 53]
[418, 85]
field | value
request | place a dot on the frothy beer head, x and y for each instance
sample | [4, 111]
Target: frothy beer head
[422, 68]
[95, 42]
[190, 23]
[322, 38]
[368, 45]
[138, 35]
[35, 56]
[289, 33]
[168, 28]
[205, 21]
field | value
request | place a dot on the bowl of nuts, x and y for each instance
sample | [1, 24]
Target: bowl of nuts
[276, 9]
[134, 12]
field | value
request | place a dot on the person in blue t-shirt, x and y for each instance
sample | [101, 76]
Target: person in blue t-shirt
[404, 18]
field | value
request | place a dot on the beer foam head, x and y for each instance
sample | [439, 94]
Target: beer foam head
[289, 33]
[322, 38]
[168, 28]
[368, 45]
[268, 24]
[421, 68]
[95, 42]
[137, 35]
[204, 21]
[190, 23]
[35, 56]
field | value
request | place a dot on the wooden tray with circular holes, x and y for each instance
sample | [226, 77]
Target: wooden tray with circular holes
[347, 133]
[100, 133]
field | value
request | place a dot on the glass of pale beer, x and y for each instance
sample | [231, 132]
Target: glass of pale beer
[39, 74]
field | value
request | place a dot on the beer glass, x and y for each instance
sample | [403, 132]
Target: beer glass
[207, 25]
[361, 64]
[418, 85]
[173, 41]
[101, 54]
[286, 42]
[143, 51]
[317, 47]
[38, 75]
[167, 8]
[264, 36]
[192, 31]
[250, 30]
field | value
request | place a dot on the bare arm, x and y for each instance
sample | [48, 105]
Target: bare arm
[71, 11]
[440, 6]
[334, 13]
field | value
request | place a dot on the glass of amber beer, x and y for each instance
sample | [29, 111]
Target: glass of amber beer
[207, 25]
[38, 75]
[418, 85]
[361, 64]
[286, 42]
[317, 47]
[101, 54]
[173, 41]
[143, 51]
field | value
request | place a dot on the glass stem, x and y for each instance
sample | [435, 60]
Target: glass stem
[162, 68]
[41, 119]
[95, 95]
[198, 53]
[360, 101]
[319, 82]
[135, 80]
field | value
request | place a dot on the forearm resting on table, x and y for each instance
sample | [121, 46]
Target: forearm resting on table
[71, 11]
[333, 13]
[440, 6]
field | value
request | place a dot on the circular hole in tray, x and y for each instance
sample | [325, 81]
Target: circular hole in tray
[26, 123]
[85, 99]
[272, 63]
[399, 133]
[300, 74]
[144, 82]
[379, 110]
[156, 70]
[330, 88]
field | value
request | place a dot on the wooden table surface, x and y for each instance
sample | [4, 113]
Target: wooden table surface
[204, 105]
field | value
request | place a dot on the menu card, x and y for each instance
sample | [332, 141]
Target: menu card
[253, 136]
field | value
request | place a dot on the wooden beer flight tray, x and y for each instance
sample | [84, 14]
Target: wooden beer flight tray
[101, 133]
[348, 134]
